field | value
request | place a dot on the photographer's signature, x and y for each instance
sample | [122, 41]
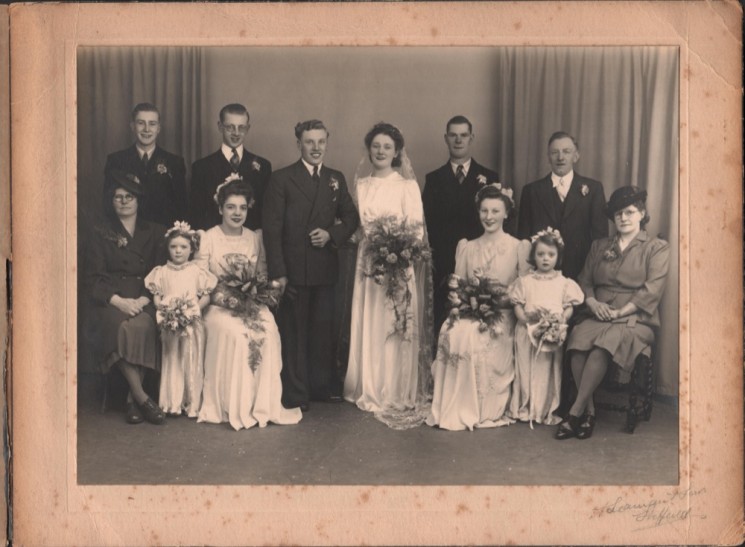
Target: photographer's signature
[674, 506]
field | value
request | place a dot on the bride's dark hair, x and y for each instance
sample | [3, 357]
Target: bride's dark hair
[392, 131]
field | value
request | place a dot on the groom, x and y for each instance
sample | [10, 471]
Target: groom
[308, 214]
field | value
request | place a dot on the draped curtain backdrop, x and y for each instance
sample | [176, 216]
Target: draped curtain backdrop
[621, 103]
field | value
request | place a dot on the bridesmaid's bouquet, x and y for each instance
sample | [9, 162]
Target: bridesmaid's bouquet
[480, 299]
[244, 293]
[393, 247]
[177, 316]
[549, 332]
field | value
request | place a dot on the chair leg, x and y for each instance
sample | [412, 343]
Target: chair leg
[649, 392]
[105, 397]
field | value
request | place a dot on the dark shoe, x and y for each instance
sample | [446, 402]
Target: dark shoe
[152, 412]
[335, 399]
[304, 407]
[586, 426]
[134, 416]
[567, 428]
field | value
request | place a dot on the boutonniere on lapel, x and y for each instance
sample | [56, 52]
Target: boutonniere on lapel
[110, 235]
[481, 179]
[162, 169]
[334, 185]
[255, 165]
[584, 190]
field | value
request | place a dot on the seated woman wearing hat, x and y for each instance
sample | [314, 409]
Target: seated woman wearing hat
[121, 326]
[623, 280]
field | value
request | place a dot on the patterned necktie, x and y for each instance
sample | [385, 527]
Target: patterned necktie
[235, 161]
[144, 161]
[460, 174]
[316, 176]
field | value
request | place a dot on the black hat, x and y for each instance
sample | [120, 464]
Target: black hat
[622, 198]
[128, 181]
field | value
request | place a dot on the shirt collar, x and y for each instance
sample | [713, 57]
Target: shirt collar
[310, 167]
[466, 166]
[228, 152]
[568, 178]
[141, 151]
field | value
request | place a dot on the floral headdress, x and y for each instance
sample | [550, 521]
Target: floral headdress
[503, 190]
[551, 233]
[228, 180]
[183, 229]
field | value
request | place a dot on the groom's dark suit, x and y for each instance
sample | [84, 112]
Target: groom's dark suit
[294, 206]
[209, 172]
[580, 218]
[450, 214]
[163, 181]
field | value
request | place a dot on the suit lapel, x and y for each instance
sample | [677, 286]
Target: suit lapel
[301, 179]
[548, 199]
[572, 198]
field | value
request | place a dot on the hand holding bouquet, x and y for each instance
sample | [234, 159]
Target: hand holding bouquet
[480, 299]
[177, 315]
[548, 332]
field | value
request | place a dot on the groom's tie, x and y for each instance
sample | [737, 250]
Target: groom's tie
[316, 177]
[144, 161]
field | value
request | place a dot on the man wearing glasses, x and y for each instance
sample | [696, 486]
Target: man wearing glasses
[209, 172]
[162, 174]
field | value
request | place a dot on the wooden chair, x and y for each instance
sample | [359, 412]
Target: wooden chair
[640, 390]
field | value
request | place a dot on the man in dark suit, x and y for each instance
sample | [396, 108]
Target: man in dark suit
[162, 174]
[308, 214]
[450, 209]
[567, 201]
[209, 172]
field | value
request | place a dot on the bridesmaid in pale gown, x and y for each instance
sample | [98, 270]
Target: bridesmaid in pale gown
[473, 371]
[382, 373]
[240, 387]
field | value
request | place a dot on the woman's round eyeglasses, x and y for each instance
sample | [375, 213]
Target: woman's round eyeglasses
[123, 198]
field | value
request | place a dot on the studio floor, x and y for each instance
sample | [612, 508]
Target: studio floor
[337, 444]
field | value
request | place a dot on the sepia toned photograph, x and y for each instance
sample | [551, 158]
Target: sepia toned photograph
[378, 266]
[381, 273]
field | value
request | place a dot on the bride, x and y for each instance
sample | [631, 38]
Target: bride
[387, 340]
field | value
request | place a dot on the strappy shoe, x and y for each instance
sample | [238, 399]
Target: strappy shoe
[567, 428]
[586, 426]
[152, 412]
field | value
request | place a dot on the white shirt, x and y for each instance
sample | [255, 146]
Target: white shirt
[466, 166]
[310, 167]
[141, 151]
[563, 188]
[228, 152]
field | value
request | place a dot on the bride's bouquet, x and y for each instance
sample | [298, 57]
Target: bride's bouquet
[177, 316]
[393, 246]
[549, 332]
[480, 299]
[244, 293]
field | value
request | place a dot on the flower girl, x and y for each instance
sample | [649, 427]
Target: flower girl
[544, 301]
[180, 290]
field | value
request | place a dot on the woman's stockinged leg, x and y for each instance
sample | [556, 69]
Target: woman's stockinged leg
[134, 376]
[592, 375]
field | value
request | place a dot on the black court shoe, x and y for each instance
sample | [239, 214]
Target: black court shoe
[568, 428]
[586, 426]
[152, 412]
[134, 416]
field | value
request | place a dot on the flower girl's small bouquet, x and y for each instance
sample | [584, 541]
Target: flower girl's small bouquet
[549, 332]
[480, 299]
[393, 246]
[177, 316]
[242, 292]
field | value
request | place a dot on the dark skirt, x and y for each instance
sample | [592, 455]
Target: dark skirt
[622, 341]
[114, 335]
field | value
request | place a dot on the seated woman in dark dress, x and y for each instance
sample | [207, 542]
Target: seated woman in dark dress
[121, 326]
[623, 280]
